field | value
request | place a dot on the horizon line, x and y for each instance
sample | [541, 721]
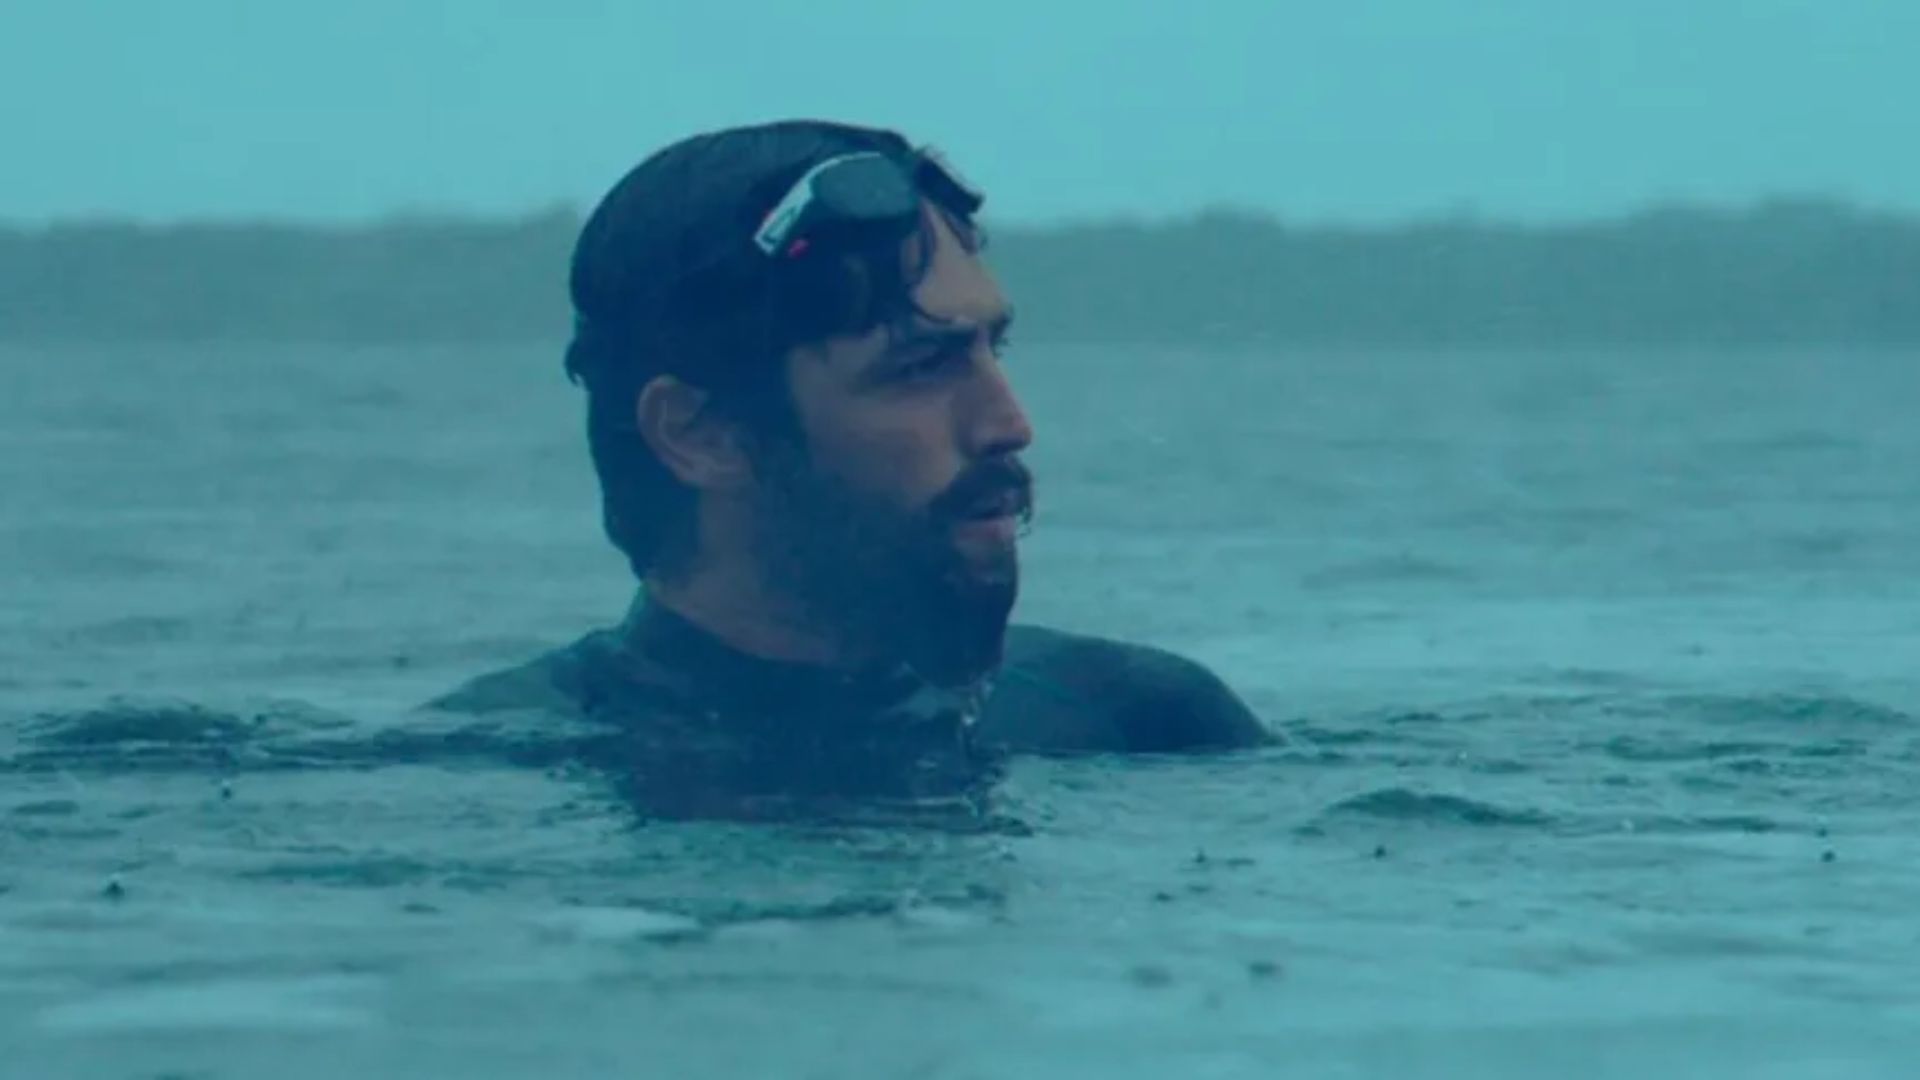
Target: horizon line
[1465, 213]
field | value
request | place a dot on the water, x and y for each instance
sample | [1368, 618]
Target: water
[1597, 671]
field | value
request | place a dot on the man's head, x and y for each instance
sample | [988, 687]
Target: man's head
[816, 417]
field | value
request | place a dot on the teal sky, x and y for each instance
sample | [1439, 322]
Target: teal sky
[1361, 111]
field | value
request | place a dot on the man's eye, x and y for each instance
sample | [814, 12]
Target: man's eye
[918, 367]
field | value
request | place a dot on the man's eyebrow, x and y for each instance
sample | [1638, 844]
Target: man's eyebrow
[916, 335]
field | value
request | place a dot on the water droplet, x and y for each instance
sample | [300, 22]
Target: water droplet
[1152, 976]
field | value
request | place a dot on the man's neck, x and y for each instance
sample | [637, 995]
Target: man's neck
[750, 621]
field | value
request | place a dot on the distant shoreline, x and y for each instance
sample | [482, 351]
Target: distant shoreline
[1801, 272]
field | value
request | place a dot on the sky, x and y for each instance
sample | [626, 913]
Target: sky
[1355, 111]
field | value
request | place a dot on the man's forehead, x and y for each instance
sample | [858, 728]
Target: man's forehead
[957, 296]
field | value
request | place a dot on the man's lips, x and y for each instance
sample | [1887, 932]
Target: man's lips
[1007, 503]
[992, 491]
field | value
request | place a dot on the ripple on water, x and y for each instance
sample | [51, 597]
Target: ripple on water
[303, 1004]
[127, 735]
[1405, 805]
[1824, 714]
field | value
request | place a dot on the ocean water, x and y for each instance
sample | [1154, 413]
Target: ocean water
[1597, 671]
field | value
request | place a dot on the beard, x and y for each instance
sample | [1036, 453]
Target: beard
[887, 580]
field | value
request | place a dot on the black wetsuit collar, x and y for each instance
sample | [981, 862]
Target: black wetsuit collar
[712, 731]
[725, 677]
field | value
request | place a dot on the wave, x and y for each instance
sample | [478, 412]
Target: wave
[1402, 804]
[1391, 570]
[658, 780]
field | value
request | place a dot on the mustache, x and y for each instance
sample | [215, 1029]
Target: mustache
[987, 480]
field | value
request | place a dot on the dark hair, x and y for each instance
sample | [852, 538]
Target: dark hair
[666, 280]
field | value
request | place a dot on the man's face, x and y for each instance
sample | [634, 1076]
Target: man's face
[896, 520]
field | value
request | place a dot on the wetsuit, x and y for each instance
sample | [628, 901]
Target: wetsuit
[710, 730]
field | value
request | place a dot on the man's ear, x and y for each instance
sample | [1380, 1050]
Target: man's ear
[702, 448]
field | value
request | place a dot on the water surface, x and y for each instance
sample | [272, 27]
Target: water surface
[1596, 671]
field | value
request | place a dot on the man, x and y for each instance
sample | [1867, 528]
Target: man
[810, 453]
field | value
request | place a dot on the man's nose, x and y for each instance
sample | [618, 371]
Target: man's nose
[997, 425]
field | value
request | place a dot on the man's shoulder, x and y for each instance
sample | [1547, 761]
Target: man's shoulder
[1056, 691]
[555, 681]
[1072, 691]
